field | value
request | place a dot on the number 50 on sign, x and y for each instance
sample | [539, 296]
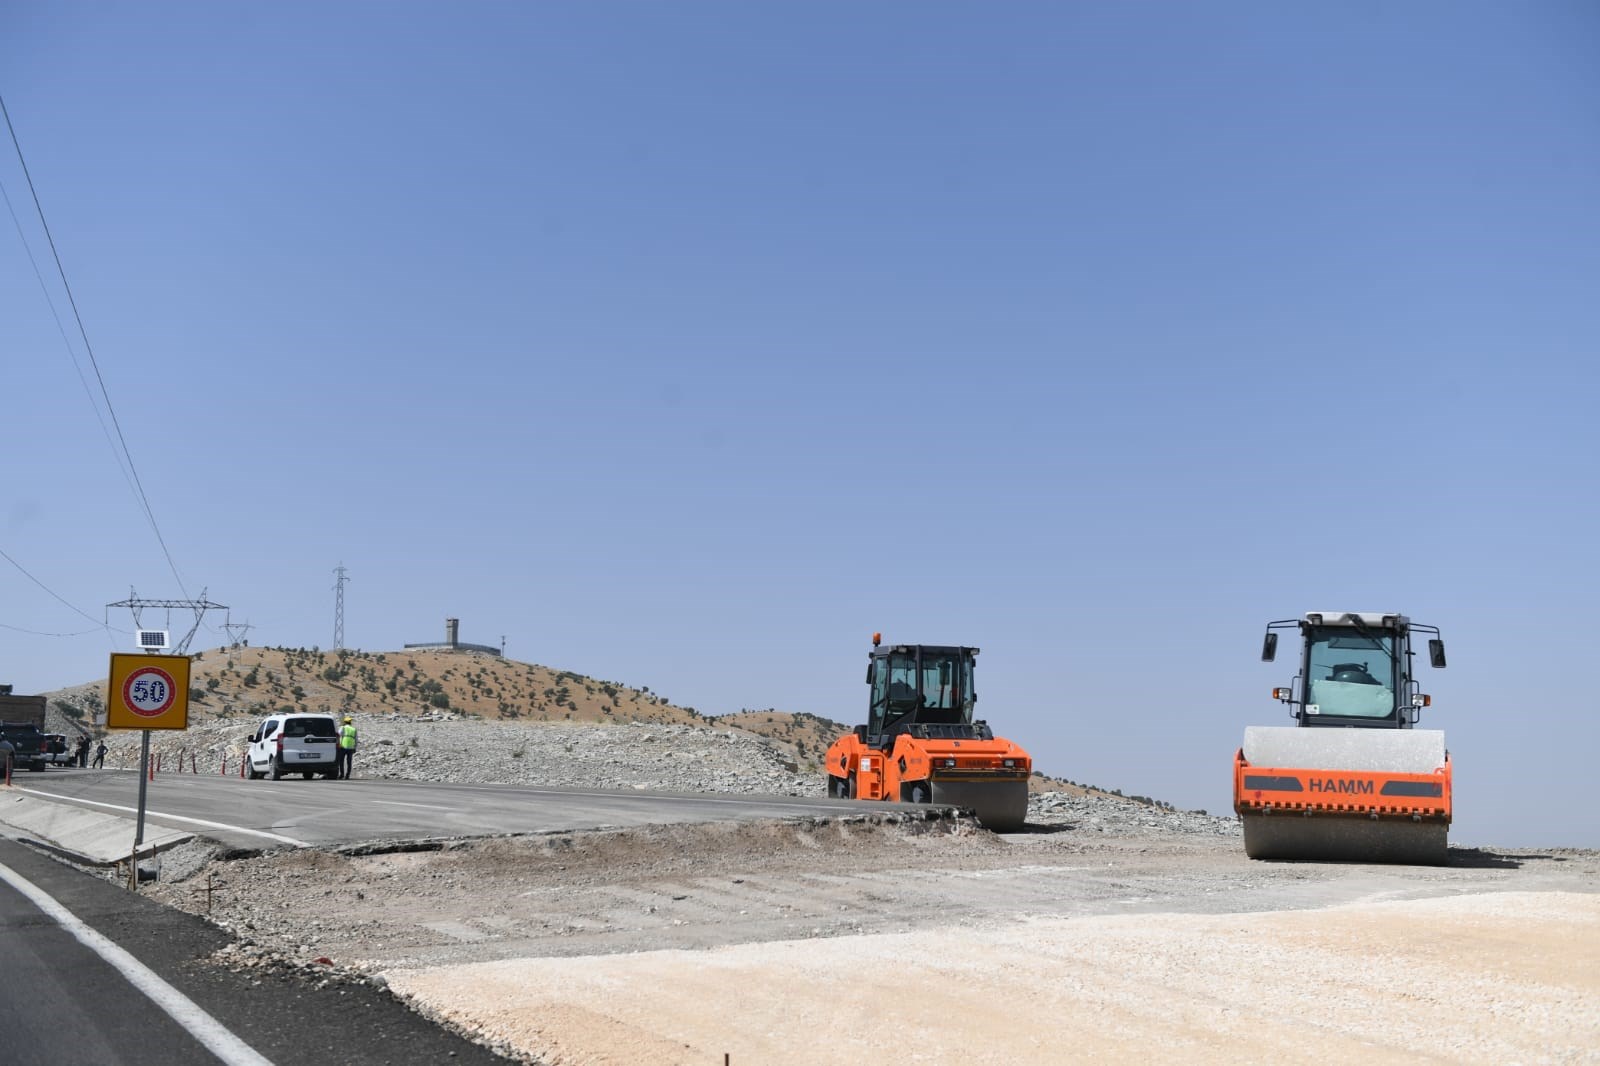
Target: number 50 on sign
[148, 692]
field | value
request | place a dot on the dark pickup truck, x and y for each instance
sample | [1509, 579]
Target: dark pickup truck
[27, 744]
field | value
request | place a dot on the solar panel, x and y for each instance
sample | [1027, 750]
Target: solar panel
[152, 639]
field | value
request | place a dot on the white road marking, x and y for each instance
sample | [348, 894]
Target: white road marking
[217, 1038]
[163, 814]
[419, 806]
[804, 805]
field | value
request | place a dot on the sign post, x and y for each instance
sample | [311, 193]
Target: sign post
[147, 692]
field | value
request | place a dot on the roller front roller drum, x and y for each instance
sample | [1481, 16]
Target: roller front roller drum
[1333, 838]
[1002, 806]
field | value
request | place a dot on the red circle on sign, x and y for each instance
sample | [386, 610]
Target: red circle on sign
[151, 701]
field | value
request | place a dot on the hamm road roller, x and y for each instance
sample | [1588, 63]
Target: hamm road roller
[1353, 779]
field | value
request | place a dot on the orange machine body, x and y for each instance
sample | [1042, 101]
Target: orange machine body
[912, 762]
[1351, 793]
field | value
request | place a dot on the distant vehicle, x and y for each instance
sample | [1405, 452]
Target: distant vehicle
[21, 709]
[304, 744]
[57, 752]
[27, 744]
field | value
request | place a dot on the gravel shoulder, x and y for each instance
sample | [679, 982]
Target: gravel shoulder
[1110, 931]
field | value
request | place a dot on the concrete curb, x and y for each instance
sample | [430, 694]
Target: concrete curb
[87, 836]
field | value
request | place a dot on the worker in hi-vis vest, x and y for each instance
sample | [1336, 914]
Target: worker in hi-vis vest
[347, 748]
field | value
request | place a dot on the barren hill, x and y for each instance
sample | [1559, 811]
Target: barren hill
[248, 683]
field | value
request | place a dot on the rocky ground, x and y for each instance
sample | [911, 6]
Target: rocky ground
[672, 758]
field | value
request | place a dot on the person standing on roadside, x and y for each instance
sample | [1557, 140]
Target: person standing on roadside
[7, 749]
[100, 756]
[82, 754]
[347, 748]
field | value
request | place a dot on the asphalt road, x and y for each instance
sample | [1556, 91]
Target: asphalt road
[61, 1002]
[67, 1004]
[265, 814]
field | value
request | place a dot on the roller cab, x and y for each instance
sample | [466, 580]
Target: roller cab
[921, 744]
[1353, 780]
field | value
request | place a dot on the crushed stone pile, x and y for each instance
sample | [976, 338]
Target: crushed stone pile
[1123, 817]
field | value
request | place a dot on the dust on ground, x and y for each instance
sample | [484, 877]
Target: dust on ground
[829, 940]
[1508, 977]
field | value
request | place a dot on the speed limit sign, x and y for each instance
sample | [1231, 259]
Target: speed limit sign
[148, 692]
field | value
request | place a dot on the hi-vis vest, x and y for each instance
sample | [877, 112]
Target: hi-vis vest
[347, 737]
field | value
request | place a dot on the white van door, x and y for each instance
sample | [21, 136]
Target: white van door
[264, 747]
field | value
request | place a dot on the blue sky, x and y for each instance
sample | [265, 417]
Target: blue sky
[687, 345]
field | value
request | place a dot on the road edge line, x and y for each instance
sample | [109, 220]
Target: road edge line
[217, 1038]
[162, 814]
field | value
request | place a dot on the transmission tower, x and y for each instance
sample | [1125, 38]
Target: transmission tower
[236, 638]
[338, 607]
[199, 607]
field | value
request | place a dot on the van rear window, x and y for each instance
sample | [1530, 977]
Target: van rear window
[309, 727]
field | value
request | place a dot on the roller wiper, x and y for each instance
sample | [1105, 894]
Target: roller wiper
[1361, 627]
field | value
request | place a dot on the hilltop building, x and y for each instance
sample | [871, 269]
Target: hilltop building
[452, 642]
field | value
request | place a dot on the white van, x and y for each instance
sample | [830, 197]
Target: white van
[304, 744]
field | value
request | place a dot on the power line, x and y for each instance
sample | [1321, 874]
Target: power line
[41, 633]
[52, 592]
[66, 343]
[72, 300]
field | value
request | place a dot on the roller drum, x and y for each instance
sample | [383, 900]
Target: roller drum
[1002, 806]
[1344, 838]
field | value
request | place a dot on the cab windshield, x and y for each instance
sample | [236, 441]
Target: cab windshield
[926, 687]
[1350, 673]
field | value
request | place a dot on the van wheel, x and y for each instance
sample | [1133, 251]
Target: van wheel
[277, 770]
[251, 771]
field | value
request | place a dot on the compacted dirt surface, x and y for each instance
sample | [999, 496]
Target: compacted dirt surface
[1104, 933]
[1113, 930]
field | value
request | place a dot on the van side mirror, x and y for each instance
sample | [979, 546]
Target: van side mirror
[1269, 648]
[1436, 653]
[253, 738]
